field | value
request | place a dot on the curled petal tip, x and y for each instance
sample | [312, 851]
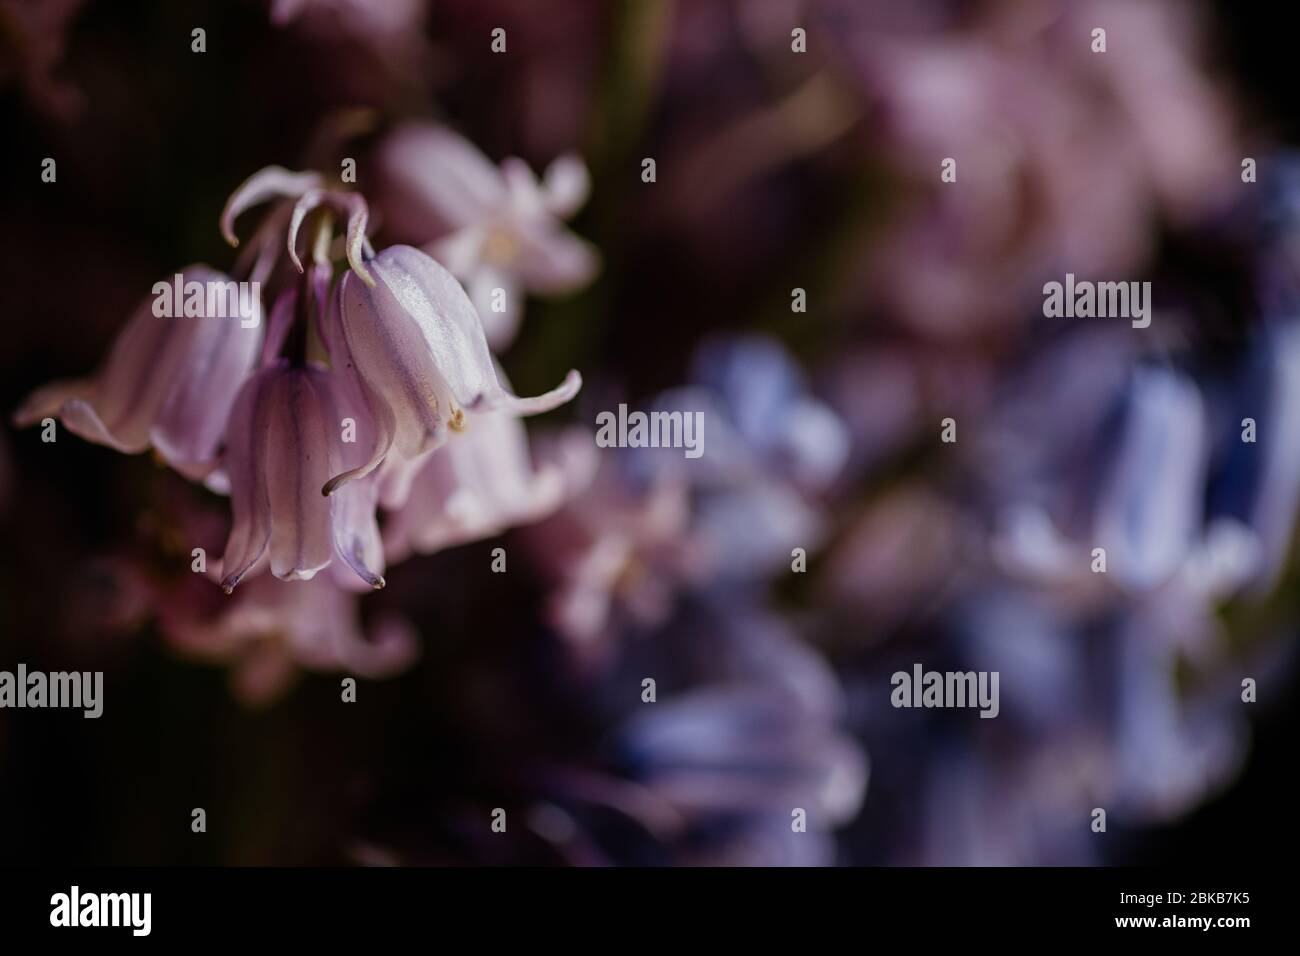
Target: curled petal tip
[339, 480]
[556, 397]
[231, 581]
[533, 405]
[358, 213]
[269, 183]
[309, 201]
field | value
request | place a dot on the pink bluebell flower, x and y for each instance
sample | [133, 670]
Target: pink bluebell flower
[495, 229]
[483, 483]
[416, 341]
[169, 384]
[286, 437]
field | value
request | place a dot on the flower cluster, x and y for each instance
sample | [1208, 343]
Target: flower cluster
[356, 391]
[804, 254]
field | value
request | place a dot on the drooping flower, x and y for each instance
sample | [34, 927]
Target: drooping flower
[416, 342]
[271, 628]
[169, 383]
[495, 229]
[481, 483]
[287, 435]
[404, 359]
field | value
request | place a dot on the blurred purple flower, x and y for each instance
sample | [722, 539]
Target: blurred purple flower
[742, 735]
[270, 629]
[656, 522]
[1064, 156]
[379, 17]
[495, 229]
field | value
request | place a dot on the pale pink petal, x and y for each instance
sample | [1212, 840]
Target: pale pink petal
[566, 185]
[169, 382]
[47, 400]
[246, 437]
[416, 338]
[273, 182]
[298, 463]
[189, 427]
[552, 260]
[526, 198]
[442, 174]
[500, 328]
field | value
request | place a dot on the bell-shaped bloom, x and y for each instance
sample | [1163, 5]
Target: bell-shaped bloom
[291, 428]
[169, 383]
[497, 229]
[415, 340]
[270, 629]
[484, 482]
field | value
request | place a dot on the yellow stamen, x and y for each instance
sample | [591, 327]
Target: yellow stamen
[500, 247]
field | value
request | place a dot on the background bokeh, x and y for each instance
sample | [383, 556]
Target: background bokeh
[775, 171]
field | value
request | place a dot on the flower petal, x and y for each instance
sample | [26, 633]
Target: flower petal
[566, 185]
[298, 462]
[417, 339]
[246, 438]
[273, 182]
[48, 400]
[500, 328]
[188, 428]
[356, 532]
[437, 173]
[554, 260]
[168, 381]
[374, 424]
[1151, 509]
[475, 486]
